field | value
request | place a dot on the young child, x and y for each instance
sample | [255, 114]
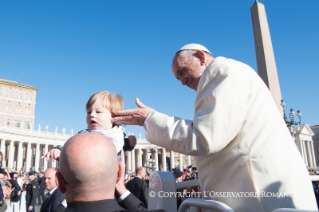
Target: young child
[100, 109]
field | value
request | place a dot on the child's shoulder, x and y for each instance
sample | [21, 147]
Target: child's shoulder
[84, 131]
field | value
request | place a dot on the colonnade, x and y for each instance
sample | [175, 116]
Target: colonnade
[156, 159]
[25, 155]
[308, 153]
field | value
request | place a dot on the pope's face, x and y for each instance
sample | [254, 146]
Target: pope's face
[188, 70]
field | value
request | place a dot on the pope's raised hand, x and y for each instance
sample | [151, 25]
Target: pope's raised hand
[134, 116]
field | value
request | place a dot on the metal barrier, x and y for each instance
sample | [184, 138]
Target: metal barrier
[202, 203]
[158, 183]
[291, 210]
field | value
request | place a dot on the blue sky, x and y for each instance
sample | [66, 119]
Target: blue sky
[72, 49]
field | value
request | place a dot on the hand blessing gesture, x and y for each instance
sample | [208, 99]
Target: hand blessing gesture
[134, 116]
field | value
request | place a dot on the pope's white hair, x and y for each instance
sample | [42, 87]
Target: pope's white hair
[185, 53]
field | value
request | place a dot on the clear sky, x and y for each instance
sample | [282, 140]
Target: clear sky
[72, 49]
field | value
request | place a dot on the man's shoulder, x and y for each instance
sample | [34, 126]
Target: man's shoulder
[34, 184]
[137, 180]
[57, 193]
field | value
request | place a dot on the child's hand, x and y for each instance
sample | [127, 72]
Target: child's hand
[53, 153]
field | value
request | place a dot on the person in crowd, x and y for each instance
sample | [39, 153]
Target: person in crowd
[32, 191]
[180, 192]
[138, 186]
[1, 159]
[15, 190]
[54, 197]
[3, 204]
[41, 188]
[25, 182]
[89, 179]
[238, 136]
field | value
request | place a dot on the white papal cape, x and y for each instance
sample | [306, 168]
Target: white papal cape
[240, 141]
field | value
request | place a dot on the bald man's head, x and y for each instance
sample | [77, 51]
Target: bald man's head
[89, 166]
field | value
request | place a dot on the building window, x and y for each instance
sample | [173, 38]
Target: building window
[8, 122]
[9, 102]
[18, 125]
[27, 126]
[29, 97]
[29, 105]
[18, 110]
[28, 111]
[9, 94]
[20, 95]
[8, 108]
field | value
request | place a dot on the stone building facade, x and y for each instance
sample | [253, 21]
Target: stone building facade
[17, 104]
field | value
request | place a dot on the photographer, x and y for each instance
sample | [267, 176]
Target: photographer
[15, 189]
[3, 204]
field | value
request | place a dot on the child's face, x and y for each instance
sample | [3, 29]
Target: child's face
[98, 117]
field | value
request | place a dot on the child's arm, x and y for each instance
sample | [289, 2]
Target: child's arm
[53, 153]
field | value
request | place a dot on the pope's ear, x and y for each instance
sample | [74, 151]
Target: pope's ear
[60, 182]
[201, 56]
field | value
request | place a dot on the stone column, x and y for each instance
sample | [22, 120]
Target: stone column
[37, 157]
[189, 160]
[164, 159]
[181, 162]
[144, 158]
[11, 154]
[3, 150]
[20, 155]
[45, 162]
[309, 154]
[29, 154]
[313, 154]
[172, 160]
[304, 152]
[139, 157]
[129, 161]
[133, 160]
[147, 156]
[156, 159]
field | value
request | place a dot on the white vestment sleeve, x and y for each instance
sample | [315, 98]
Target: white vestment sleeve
[220, 111]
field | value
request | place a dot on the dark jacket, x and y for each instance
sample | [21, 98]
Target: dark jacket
[32, 192]
[108, 205]
[139, 188]
[41, 184]
[59, 208]
[131, 203]
[53, 201]
[15, 194]
[179, 197]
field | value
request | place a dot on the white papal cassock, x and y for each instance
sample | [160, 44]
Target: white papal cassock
[240, 141]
